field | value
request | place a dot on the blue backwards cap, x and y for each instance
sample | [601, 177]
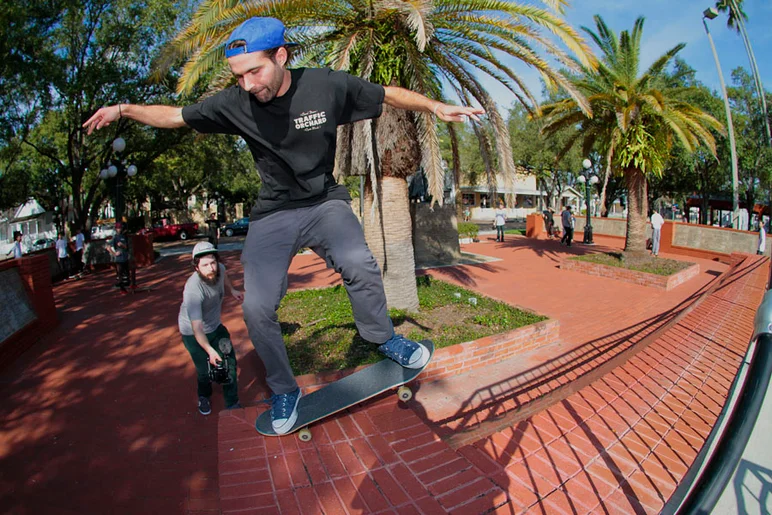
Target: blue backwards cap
[258, 34]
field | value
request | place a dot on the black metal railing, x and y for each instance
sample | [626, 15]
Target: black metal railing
[701, 487]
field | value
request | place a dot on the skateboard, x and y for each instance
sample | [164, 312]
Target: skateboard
[347, 392]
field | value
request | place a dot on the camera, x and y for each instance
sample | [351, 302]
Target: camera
[219, 373]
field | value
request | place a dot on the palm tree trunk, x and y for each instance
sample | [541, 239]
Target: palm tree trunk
[389, 235]
[456, 171]
[637, 211]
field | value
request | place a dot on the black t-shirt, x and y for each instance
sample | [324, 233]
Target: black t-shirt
[213, 226]
[292, 137]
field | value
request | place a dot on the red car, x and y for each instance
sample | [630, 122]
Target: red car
[164, 229]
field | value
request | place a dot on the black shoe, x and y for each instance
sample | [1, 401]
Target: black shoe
[204, 405]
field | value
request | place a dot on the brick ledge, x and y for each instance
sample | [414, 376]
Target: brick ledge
[662, 282]
[462, 357]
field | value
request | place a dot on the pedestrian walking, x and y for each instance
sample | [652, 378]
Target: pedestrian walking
[118, 247]
[62, 255]
[500, 221]
[16, 250]
[762, 247]
[78, 256]
[214, 229]
[568, 221]
[289, 119]
[656, 232]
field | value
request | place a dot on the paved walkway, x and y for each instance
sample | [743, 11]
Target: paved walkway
[101, 416]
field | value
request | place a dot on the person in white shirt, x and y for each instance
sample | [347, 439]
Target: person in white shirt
[762, 240]
[62, 257]
[499, 221]
[656, 230]
[78, 257]
[16, 250]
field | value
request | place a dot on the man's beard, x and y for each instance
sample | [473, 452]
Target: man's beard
[209, 281]
[269, 92]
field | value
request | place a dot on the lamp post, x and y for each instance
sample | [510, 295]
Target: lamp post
[117, 172]
[587, 178]
[710, 14]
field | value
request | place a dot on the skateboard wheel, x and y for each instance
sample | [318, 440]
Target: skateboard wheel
[304, 435]
[404, 393]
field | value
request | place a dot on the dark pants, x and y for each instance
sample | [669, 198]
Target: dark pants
[332, 231]
[64, 267]
[201, 361]
[77, 261]
[568, 235]
[122, 273]
[500, 233]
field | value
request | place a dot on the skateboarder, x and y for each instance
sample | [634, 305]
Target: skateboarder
[204, 336]
[289, 119]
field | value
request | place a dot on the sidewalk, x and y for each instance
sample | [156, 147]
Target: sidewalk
[101, 415]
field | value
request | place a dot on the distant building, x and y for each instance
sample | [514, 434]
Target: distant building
[32, 220]
[521, 199]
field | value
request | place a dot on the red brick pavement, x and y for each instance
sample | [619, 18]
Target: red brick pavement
[101, 418]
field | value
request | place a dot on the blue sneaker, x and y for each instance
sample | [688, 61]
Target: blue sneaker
[406, 352]
[284, 411]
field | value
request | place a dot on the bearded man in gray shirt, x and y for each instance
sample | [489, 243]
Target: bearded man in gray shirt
[204, 336]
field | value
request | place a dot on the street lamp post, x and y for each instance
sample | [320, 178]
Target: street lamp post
[709, 14]
[117, 172]
[587, 178]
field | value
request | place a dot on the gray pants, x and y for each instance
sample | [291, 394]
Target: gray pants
[332, 231]
[655, 237]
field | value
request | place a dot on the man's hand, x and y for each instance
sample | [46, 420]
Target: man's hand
[214, 358]
[238, 295]
[102, 118]
[449, 113]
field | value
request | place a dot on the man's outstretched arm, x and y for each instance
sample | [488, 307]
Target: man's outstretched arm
[160, 116]
[402, 98]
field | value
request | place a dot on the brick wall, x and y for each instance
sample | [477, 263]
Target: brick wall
[36, 278]
[664, 282]
[457, 359]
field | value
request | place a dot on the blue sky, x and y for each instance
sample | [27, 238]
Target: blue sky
[669, 22]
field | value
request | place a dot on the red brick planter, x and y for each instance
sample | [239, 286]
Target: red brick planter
[664, 282]
[34, 272]
[463, 357]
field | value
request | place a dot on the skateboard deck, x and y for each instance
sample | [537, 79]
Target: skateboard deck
[347, 392]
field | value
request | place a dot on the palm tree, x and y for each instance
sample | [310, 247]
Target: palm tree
[416, 44]
[736, 18]
[635, 117]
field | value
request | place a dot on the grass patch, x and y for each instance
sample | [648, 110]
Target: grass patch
[319, 331]
[521, 232]
[640, 263]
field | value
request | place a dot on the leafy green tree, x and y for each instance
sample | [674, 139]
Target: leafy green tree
[413, 45]
[542, 156]
[754, 153]
[699, 171]
[91, 52]
[635, 118]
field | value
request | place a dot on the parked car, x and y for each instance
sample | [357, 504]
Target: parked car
[103, 231]
[164, 229]
[240, 226]
[42, 243]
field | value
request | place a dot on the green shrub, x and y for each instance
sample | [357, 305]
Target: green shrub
[467, 230]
